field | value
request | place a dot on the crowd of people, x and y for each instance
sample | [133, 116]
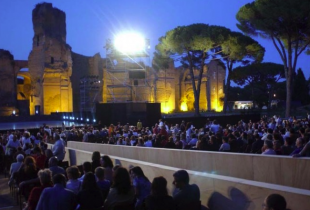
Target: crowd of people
[40, 174]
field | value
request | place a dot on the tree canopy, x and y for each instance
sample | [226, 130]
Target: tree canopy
[191, 46]
[238, 48]
[287, 24]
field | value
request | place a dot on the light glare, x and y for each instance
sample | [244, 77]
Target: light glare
[129, 43]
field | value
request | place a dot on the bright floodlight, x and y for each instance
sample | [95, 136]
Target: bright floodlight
[129, 43]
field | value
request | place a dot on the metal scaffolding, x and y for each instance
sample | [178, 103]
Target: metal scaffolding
[90, 88]
[126, 73]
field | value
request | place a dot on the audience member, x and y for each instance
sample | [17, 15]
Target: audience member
[268, 148]
[102, 183]
[274, 202]
[86, 168]
[54, 168]
[15, 167]
[95, 160]
[90, 197]
[225, 147]
[73, 183]
[57, 197]
[185, 195]
[121, 191]
[141, 184]
[45, 176]
[107, 164]
[59, 149]
[159, 198]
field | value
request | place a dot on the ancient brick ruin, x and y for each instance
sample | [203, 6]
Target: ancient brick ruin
[53, 82]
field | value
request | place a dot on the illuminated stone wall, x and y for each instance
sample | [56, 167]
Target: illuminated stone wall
[50, 64]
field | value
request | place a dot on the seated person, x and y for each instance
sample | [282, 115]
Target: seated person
[102, 183]
[299, 147]
[159, 198]
[57, 197]
[15, 167]
[45, 177]
[268, 148]
[225, 146]
[86, 169]
[53, 166]
[274, 202]
[73, 183]
[185, 194]
[121, 191]
[90, 197]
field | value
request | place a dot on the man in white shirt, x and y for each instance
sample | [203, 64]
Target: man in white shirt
[59, 149]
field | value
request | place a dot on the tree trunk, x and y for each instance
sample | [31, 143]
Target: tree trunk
[196, 104]
[227, 87]
[289, 85]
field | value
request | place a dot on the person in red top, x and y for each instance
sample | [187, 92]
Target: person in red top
[45, 177]
[39, 157]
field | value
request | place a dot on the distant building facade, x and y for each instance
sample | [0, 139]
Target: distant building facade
[59, 80]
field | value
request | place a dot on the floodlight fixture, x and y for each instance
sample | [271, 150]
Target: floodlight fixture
[130, 43]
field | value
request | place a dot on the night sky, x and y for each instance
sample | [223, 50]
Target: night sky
[91, 22]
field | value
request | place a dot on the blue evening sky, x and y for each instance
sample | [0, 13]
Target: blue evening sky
[91, 22]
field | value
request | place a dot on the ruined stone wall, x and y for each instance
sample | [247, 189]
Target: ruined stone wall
[7, 83]
[50, 63]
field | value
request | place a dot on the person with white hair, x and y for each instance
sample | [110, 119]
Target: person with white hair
[16, 166]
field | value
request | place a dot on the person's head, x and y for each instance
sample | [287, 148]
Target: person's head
[268, 144]
[99, 171]
[276, 145]
[73, 172]
[59, 179]
[225, 140]
[37, 150]
[299, 142]
[29, 164]
[53, 161]
[89, 181]
[20, 158]
[274, 202]
[121, 181]
[115, 167]
[87, 167]
[106, 162]
[181, 179]
[57, 137]
[159, 186]
[137, 172]
[48, 153]
[45, 176]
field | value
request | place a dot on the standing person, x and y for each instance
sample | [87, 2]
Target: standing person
[141, 184]
[139, 125]
[59, 149]
[12, 145]
[159, 198]
[57, 197]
